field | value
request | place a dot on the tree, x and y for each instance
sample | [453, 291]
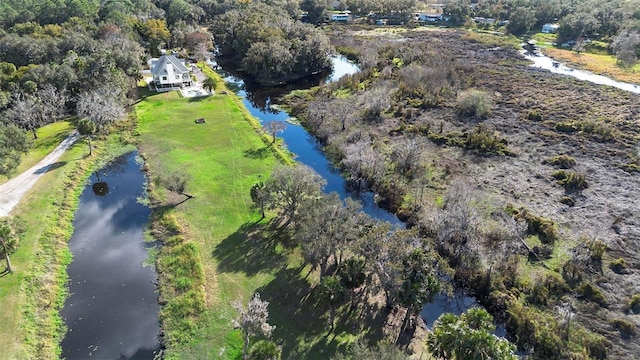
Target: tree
[324, 229]
[13, 143]
[260, 197]
[25, 112]
[290, 186]
[210, 84]
[315, 10]
[626, 46]
[468, 336]
[177, 181]
[457, 10]
[101, 106]
[420, 284]
[331, 293]
[521, 20]
[273, 128]
[252, 321]
[87, 128]
[352, 274]
[8, 241]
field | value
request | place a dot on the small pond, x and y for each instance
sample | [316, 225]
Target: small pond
[112, 309]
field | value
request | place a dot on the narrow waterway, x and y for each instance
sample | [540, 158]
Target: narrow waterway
[308, 152]
[306, 148]
[547, 63]
[112, 309]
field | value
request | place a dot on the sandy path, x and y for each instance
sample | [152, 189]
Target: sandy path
[13, 190]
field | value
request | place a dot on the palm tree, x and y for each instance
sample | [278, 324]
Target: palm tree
[210, 84]
[331, 293]
[7, 239]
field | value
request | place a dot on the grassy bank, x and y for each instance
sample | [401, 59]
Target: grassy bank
[33, 295]
[215, 249]
[600, 64]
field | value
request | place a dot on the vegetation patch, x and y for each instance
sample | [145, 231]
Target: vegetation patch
[572, 181]
[634, 304]
[561, 161]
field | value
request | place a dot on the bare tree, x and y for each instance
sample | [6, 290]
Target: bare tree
[25, 112]
[102, 106]
[363, 162]
[273, 128]
[626, 46]
[407, 155]
[252, 320]
[375, 102]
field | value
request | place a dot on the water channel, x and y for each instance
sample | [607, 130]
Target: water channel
[547, 63]
[307, 151]
[112, 309]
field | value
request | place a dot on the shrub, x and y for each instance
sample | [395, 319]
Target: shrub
[536, 225]
[486, 142]
[567, 200]
[567, 127]
[634, 304]
[265, 350]
[474, 103]
[626, 328]
[596, 250]
[591, 293]
[534, 116]
[571, 180]
[561, 161]
[618, 266]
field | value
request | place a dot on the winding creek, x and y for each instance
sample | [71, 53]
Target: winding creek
[112, 309]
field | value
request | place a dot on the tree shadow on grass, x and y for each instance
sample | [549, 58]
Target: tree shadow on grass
[260, 153]
[51, 167]
[302, 323]
[252, 249]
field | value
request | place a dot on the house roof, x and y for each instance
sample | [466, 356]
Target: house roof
[169, 60]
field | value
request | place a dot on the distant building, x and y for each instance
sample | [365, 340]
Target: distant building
[550, 28]
[341, 16]
[426, 17]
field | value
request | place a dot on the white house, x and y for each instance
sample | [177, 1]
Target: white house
[169, 73]
[550, 28]
[341, 16]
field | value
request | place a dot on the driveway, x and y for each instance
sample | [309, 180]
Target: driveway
[13, 190]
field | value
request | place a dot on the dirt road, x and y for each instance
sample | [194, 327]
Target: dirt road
[13, 190]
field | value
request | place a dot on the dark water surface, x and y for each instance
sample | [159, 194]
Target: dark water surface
[112, 310]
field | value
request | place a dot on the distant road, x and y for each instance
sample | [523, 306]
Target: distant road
[13, 190]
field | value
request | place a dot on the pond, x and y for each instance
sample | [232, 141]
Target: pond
[112, 308]
[547, 63]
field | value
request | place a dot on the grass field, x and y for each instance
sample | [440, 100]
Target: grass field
[49, 137]
[238, 254]
[32, 295]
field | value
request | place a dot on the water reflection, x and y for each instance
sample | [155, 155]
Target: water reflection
[112, 309]
[543, 62]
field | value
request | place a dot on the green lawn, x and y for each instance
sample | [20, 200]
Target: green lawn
[225, 157]
[49, 137]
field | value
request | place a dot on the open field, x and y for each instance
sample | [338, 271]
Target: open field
[237, 253]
